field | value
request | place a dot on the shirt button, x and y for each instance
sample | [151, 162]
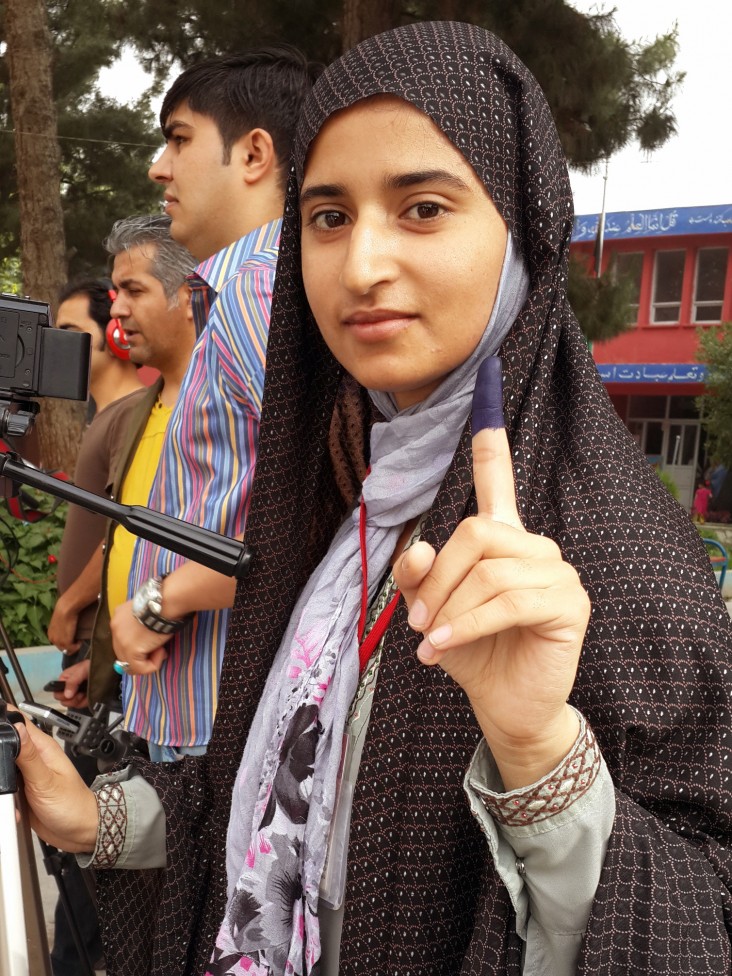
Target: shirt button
[520, 867]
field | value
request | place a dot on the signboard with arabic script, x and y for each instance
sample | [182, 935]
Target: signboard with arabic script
[655, 223]
[652, 372]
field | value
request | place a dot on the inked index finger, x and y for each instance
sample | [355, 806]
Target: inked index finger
[492, 466]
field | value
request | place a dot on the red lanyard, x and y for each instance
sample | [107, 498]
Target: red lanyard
[367, 647]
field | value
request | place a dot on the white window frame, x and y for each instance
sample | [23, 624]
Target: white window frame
[654, 304]
[696, 304]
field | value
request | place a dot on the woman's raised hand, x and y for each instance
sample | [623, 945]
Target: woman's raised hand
[501, 611]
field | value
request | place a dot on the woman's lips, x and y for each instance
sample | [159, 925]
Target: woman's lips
[375, 326]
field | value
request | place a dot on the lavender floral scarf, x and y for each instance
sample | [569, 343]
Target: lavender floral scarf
[285, 789]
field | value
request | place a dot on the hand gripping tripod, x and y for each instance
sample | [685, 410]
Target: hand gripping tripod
[23, 944]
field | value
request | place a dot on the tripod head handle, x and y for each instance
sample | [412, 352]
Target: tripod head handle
[9, 749]
[225, 555]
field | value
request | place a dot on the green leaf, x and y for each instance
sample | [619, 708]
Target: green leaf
[34, 618]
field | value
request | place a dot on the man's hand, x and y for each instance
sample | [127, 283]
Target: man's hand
[62, 628]
[63, 810]
[82, 593]
[134, 643]
[74, 676]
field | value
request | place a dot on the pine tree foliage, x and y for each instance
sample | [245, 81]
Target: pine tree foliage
[170, 34]
[715, 404]
[604, 90]
[602, 305]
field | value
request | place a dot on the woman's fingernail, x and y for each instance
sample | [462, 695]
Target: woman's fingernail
[438, 637]
[418, 614]
[426, 652]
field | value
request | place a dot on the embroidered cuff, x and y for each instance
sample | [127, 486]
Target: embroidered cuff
[112, 813]
[555, 792]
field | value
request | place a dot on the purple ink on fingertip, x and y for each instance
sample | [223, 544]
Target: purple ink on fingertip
[488, 396]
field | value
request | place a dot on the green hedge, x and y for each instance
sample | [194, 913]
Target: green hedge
[28, 558]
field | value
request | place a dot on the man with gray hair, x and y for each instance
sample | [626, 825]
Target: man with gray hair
[153, 303]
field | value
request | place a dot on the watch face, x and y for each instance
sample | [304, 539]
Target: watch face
[138, 603]
[141, 598]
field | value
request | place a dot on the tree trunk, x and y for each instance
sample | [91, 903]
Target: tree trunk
[37, 161]
[364, 18]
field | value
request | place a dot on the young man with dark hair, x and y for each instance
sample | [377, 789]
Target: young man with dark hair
[258, 89]
[228, 126]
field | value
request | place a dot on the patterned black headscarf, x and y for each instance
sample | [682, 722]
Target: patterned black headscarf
[654, 681]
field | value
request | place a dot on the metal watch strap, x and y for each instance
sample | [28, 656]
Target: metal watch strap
[161, 625]
[156, 621]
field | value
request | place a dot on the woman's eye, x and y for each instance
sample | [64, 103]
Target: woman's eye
[425, 210]
[328, 219]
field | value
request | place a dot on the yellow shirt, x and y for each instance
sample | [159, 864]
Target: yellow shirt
[135, 491]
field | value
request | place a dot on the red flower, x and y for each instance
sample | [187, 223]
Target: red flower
[52, 560]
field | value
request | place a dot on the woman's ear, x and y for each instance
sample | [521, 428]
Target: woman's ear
[257, 155]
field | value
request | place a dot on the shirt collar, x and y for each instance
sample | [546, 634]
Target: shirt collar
[217, 269]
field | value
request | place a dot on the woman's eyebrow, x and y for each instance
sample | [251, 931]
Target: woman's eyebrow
[397, 181]
[327, 190]
[402, 181]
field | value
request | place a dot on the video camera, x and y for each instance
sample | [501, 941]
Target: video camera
[89, 735]
[97, 737]
[36, 360]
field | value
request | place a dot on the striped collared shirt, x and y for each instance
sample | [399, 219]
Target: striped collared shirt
[205, 475]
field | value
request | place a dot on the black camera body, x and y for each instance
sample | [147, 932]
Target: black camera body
[95, 737]
[37, 360]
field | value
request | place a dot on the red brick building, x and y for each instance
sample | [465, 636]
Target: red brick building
[679, 261]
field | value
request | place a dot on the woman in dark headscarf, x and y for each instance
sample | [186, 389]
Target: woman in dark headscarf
[429, 195]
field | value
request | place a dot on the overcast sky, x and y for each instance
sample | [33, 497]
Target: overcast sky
[695, 167]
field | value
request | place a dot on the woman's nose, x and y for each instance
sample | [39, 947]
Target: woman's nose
[371, 257]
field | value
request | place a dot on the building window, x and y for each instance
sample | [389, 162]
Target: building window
[668, 278]
[642, 407]
[629, 265]
[711, 270]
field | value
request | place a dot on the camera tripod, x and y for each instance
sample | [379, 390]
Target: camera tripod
[23, 942]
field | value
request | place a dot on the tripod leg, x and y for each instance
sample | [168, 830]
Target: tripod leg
[30, 893]
[35, 923]
[16, 950]
[53, 861]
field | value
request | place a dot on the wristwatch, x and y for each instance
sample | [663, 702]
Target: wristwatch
[147, 604]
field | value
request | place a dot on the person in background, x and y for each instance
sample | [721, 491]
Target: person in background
[153, 304]
[474, 718]
[85, 306]
[228, 125]
[114, 386]
[700, 507]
